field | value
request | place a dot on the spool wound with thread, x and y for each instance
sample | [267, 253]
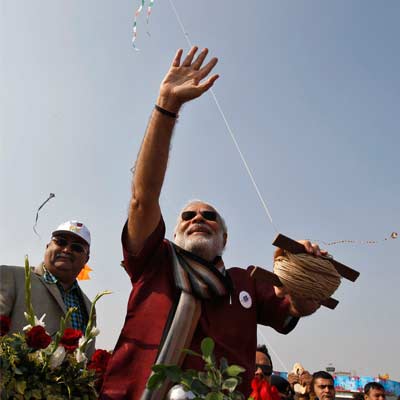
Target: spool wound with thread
[307, 276]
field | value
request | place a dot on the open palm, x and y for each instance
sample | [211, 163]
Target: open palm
[183, 82]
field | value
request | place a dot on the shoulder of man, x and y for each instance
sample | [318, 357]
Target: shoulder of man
[11, 269]
[240, 272]
[18, 270]
[237, 270]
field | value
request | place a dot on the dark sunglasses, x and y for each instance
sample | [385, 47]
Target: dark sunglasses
[266, 369]
[208, 215]
[74, 246]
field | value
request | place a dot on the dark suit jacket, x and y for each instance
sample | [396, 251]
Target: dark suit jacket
[46, 299]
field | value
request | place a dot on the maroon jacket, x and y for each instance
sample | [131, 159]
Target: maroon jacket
[233, 326]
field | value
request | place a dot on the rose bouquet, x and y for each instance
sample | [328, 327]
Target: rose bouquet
[35, 366]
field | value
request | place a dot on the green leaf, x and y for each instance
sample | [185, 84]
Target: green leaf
[206, 378]
[173, 373]
[185, 384]
[199, 387]
[230, 384]
[20, 387]
[191, 373]
[30, 314]
[215, 396]
[218, 378]
[160, 368]
[187, 378]
[234, 370]
[155, 381]
[207, 347]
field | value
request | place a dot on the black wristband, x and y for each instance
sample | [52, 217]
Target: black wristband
[165, 112]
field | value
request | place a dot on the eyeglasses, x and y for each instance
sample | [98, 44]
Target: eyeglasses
[266, 369]
[75, 247]
[323, 387]
[208, 215]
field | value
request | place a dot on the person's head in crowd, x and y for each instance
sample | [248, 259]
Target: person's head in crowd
[322, 385]
[283, 386]
[374, 391]
[67, 252]
[263, 363]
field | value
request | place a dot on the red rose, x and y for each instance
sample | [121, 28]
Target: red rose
[262, 390]
[5, 323]
[70, 339]
[99, 360]
[37, 338]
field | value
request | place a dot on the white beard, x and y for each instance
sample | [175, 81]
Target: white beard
[207, 247]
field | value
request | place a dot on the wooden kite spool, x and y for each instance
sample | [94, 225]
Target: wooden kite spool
[294, 247]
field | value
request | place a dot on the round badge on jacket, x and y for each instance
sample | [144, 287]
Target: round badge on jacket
[245, 299]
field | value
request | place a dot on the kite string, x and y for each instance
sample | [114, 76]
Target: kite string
[270, 348]
[245, 164]
[393, 235]
[264, 204]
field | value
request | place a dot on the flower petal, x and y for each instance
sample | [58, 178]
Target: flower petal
[57, 357]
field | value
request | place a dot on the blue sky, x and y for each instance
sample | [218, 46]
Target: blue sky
[312, 92]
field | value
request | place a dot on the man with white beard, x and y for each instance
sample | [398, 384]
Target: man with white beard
[181, 292]
[199, 238]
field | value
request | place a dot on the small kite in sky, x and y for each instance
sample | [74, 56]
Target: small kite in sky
[137, 13]
[51, 195]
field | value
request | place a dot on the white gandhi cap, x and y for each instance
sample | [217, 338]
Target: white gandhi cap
[76, 228]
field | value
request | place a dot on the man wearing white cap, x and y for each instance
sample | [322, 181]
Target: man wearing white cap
[53, 282]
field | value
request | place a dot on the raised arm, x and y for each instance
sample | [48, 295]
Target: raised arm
[184, 82]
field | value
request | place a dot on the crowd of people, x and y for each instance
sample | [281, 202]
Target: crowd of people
[300, 386]
[182, 291]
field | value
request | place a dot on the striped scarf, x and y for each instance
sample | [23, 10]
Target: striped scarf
[197, 280]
